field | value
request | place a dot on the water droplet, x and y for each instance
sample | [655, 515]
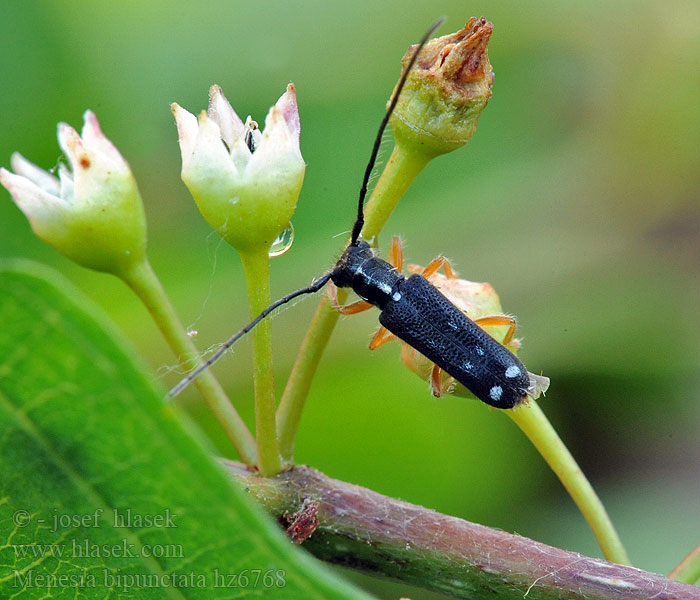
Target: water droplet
[283, 242]
[192, 333]
[234, 200]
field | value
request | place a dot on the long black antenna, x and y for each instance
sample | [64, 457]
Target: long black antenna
[314, 287]
[357, 228]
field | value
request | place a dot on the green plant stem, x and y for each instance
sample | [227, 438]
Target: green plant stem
[256, 264]
[146, 285]
[401, 169]
[535, 425]
[299, 382]
[688, 571]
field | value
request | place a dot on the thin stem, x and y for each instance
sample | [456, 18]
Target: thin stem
[256, 264]
[535, 425]
[299, 382]
[402, 168]
[688, 571]
[146, 285]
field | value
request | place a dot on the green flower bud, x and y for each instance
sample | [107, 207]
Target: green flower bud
[446, 90]
[245, 183]
[93, 212]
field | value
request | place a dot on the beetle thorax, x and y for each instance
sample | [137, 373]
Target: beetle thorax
[369, 276]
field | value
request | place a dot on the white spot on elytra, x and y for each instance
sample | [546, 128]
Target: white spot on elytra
[479, 350]
[512, 371]
[468, 366]
[396, 297]
[495, 392]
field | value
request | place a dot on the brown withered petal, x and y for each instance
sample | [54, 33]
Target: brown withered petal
[459, 60]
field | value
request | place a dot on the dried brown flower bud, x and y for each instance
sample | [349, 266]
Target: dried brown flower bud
[446, 91]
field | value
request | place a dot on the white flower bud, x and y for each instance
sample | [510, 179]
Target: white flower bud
[92, 213]
[246, 183]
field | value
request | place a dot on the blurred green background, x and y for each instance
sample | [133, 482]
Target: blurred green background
[578, 199]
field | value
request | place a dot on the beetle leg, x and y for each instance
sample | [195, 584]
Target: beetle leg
[355, 307]
[436, 381]
[396, 254]
[436, 385]
[499, 320]
[347, 309]
[381, 337]
[435, 264]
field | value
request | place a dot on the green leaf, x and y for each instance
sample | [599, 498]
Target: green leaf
[85, 433]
